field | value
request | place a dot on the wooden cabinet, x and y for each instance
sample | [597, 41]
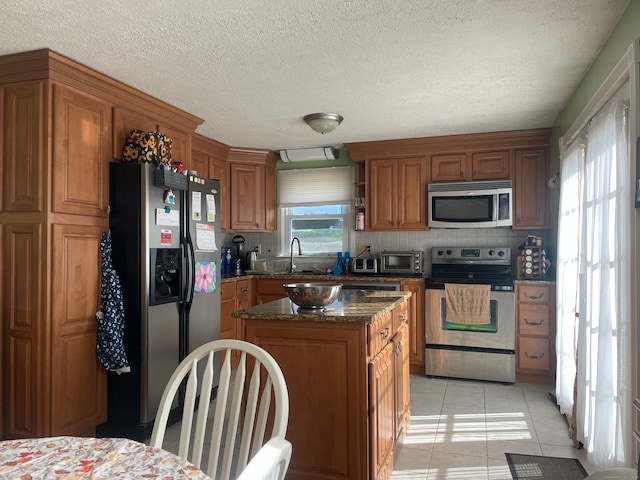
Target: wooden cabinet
[227, 307]
[397, 194]
[125, 121]
[348, 384]
[60, 125]
[52, 221]
[235, 295]
[415, 320]
[252, 190]
[490, 165]
[471, 166]
[381, 411]
[209, 159]
[79, 392]
[80, 163]
[529, 186]
[401, 366]
[535, 326]
[520, 155]
[181, 146]
[450, 167]
[268, 290]
[23, 171]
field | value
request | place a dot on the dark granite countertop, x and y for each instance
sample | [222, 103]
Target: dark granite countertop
[352, 306]
[320, 276]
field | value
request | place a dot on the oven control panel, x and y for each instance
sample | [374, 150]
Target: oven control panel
[491, 255]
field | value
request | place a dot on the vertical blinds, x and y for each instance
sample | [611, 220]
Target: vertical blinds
[315, 186]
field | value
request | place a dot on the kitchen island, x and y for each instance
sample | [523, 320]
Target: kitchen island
[347, 373]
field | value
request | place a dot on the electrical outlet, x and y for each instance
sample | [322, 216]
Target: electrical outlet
[364, 248]
[259, 249]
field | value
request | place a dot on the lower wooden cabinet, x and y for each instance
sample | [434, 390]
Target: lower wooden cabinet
[535, 327]
[52, 382]
[348, 390]
[415, 319]
[236, 294]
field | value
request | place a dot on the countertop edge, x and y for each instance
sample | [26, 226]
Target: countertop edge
[395, 299]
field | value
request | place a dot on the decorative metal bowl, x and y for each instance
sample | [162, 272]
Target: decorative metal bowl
[313, 295]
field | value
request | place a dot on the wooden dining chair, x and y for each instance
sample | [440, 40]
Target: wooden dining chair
[270, 463]
[251, 406]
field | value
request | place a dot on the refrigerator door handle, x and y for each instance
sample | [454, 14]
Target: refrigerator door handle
[191, 273]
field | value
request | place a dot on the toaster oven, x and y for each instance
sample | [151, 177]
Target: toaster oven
[402, 262]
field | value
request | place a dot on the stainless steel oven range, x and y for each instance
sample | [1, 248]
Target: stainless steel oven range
[481, 352]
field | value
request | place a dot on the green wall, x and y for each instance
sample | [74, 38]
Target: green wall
[624, 33]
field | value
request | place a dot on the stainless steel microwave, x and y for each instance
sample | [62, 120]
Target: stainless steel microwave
[402, 263]
[470, 204]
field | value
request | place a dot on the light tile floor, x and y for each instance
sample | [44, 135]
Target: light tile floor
[461, 429]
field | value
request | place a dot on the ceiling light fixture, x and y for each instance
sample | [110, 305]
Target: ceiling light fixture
[323, 122]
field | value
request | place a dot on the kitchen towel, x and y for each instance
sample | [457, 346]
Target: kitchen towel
[468, 304]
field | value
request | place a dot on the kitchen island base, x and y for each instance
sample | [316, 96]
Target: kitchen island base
[348, 385]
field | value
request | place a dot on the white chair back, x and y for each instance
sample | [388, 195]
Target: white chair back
[270, 463]
[240, 420]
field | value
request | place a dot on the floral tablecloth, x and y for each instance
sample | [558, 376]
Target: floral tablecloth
[76, 458]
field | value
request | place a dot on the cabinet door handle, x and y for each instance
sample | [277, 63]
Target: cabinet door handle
[533, 323]
[385, 333]
[244, 290]
[534, 357]
[533, 297]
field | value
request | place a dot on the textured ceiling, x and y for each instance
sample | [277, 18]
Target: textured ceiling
[393, 68]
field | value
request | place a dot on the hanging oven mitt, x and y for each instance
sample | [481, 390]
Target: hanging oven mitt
[110, 317]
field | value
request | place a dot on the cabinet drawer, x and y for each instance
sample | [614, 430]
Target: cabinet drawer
[533, 319]
[534, 293]
[379, 333]
[228, 290]
[272, 287]
[534, 354]
[243, 287]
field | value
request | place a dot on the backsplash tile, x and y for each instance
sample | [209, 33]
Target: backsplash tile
[480, 237]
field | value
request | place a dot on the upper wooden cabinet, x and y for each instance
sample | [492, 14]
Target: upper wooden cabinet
[529, 188]
[209, 159]
[491, 165]
[252, 190]
[125, 121]
[23, 169]
[520, 155]
[471, 166]
[449, 167]
[181, 148]
[397, 193]
[81, 134]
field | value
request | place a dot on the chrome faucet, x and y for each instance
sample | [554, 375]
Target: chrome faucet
[292, 266]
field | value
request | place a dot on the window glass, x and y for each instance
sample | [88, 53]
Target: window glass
[315, 207]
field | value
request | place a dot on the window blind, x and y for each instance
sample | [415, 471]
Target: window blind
[315, 186]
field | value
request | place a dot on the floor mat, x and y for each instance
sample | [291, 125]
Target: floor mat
[535, 467]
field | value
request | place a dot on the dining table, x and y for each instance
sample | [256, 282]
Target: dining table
[80, 458]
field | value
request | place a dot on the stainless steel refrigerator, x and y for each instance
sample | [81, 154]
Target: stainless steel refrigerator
[165, 234]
